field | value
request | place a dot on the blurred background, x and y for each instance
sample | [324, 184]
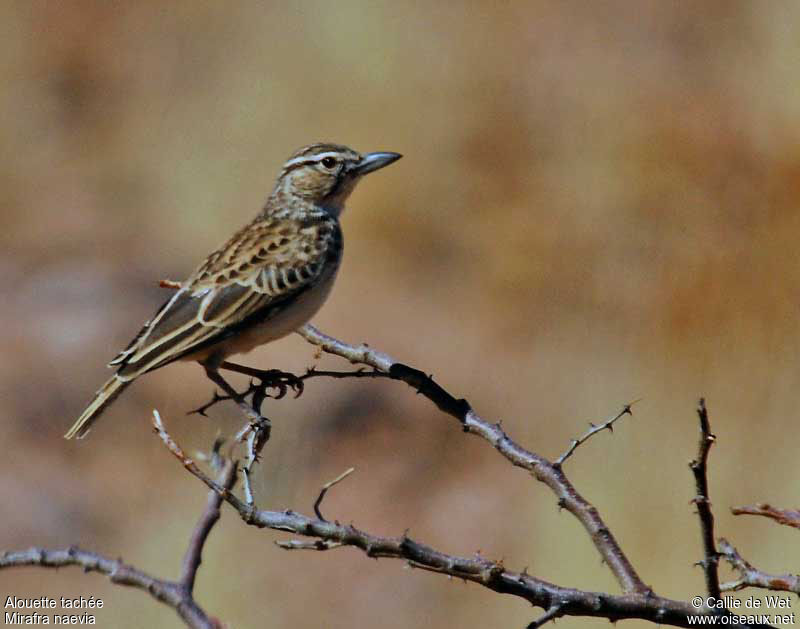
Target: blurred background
[598, 203]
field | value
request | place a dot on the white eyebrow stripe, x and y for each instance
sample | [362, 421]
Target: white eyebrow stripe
[307, 159]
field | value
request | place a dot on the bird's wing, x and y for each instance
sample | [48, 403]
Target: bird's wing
[260, 269]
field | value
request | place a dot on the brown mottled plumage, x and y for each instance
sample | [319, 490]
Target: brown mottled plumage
[266, 281]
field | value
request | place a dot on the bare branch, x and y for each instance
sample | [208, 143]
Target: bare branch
[248, 490]
[787, 517]
[355, 373]
[551, 614]
[542, 469]
[168, 592]
[751, 577]
[176, 594]
[488, 573]
[593, 430]
[710, 560]
[326, 487]
[193, 556]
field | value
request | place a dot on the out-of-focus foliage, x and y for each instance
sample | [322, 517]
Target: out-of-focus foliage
[598, 202]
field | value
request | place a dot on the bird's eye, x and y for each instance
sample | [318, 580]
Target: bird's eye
[329, 162]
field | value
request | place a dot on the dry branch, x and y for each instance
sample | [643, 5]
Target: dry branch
[593, 430]
[555, 599]
[752, 577]
[698, 466]
[637, 600]
[787, 517]
[490, 574]
[168, 592]
[541, 468]
[177, 594]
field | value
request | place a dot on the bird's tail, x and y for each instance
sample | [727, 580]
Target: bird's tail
[107, 394]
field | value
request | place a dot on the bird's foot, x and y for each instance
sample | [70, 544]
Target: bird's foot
[280, 381]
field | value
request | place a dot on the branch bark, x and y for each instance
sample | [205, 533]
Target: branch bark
[787, 517]
[168, 592]
[545, 471]
[698, 466]
[177, 594]
[557, 600]
[752, 577]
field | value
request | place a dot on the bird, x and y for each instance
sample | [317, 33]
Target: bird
[266, 281]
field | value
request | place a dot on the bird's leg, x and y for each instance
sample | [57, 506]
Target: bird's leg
[282, 381]
[258, 423]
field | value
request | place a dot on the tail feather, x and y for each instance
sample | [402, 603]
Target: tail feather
[105, 396]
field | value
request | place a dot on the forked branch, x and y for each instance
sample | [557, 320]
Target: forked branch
[494, 575]
[752, 577]
[168, 592]
[541, 468]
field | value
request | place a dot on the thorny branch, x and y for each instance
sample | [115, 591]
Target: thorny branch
[637, 600]
[749, 576]
[168, 592]
[491, 574]
[752, 577]
[593, 430]
[698, 466]
[541, 468]
[176, 594]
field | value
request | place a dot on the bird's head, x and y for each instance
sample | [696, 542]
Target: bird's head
[325, 174]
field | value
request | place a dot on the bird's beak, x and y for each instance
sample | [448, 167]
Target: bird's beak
[374, 161]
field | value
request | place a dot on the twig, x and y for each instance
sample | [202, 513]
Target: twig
[312, 372]
[326, 487]
[176, 594]
[255, 435]
[187, 462]
[194, 552]
[593, 430]
[698, 466]
[168, 592]
[751, 577]
[490, 574]
[248, 490]
[250, 412]
[787, 517]
[541, 468]
[551, 614]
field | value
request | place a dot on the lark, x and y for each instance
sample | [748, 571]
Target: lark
[269, 279]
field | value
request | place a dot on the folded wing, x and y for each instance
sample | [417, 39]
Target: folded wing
[260, 268]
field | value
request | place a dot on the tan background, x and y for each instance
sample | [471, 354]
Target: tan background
[598, 202]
